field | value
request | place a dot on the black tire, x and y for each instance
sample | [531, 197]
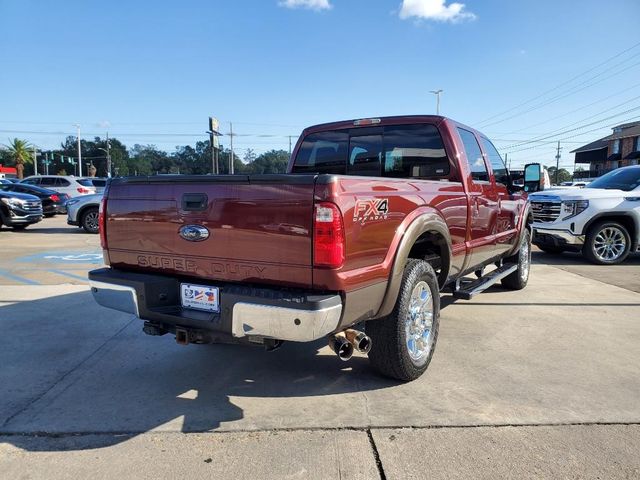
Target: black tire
[389, 353]
[49, 215]
[519, 279]
[593, 240]
[19, 227]
[551, 249]
[89, 220]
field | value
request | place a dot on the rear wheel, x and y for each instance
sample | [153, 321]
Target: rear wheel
[403, 343]
[19, 227]
[90, 220]
[518, 279]
[607, 243]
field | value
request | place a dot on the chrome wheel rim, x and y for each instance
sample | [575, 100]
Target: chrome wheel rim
[92, 220]
[609, 244]
[419, 323]
[525, 260]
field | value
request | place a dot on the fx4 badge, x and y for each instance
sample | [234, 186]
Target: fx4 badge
[371, 210]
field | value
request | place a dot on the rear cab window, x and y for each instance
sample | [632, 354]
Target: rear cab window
[396, 151]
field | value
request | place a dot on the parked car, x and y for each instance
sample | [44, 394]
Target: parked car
[83, 212]
[4, 181]
[601, 220]
[52, 201]
[379, 215]
[68, 184]
[98, 182]
[19, 210]
[569, 185]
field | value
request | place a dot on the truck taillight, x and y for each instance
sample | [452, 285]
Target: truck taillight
[328, 236]
[102, 222]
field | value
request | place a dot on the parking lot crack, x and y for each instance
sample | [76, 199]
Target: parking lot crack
[376, 455]
[64, 376]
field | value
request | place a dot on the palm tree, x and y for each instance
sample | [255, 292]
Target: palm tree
[19, 152]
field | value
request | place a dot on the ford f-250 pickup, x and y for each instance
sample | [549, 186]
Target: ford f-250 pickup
[374, 218]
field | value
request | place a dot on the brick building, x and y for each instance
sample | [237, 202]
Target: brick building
[620, 149]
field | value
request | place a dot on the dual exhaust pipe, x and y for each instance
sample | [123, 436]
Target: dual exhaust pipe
[344, 343]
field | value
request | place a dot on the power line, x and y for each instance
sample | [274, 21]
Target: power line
[555, 134]
[561, 84]
[572, 136]
[570, 112]
[560, 97]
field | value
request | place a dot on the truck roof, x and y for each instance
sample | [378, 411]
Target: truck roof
[381, 121]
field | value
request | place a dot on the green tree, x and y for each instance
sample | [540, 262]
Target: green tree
[273, 161]
[20, 152]
[563, 175]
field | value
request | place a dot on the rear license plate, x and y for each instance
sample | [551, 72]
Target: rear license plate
[200, 297]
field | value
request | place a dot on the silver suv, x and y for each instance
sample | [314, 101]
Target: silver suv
[83, 212]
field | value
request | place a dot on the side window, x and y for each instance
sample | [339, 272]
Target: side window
[414, 151]
[474, 156]
[365, 154]
[63, 182]
[31, 181]
[323, 152]
[47, 181]
[497, 164]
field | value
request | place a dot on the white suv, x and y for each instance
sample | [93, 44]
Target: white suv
[602, 220]
[68, 184]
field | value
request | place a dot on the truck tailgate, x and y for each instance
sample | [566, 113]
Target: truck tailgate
[260, 227]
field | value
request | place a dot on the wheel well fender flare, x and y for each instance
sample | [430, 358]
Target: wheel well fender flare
[427, 220]
[523, 223]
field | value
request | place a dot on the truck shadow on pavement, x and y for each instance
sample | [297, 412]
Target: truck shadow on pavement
[73, 369]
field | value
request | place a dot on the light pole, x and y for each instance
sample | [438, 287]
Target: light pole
[108, 157]
[437, 94]
[79, 151]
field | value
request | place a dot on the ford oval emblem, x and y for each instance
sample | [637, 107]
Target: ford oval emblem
[194, 233]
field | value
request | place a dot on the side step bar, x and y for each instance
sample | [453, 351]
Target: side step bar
[467, 290]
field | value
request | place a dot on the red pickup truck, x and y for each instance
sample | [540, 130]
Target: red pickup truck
[374, 218]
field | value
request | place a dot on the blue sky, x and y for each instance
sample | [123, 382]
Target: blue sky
[149, 71]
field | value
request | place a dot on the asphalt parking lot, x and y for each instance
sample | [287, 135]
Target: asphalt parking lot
[538, 383]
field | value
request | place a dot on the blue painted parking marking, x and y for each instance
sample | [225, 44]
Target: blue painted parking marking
[94, 258]
[18, 278]
[68, 274]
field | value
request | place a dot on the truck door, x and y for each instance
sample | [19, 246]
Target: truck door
[509, 205]
[483, 203]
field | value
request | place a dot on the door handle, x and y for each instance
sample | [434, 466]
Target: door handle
[194, 202]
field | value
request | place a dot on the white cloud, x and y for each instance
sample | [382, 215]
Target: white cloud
[310, 4]
[435, 10]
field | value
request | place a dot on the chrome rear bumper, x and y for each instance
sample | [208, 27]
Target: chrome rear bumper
[244, 312]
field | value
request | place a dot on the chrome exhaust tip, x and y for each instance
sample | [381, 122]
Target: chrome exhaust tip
[360, 340]
[341, 346]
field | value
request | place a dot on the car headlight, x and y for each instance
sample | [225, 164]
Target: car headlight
[13, 202]
[571, 208]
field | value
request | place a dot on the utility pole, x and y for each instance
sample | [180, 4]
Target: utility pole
[79, 151]
[557, 162]
[108, 158]
[437, 94]
[231, 141]
[506, 161]
[289, 146]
